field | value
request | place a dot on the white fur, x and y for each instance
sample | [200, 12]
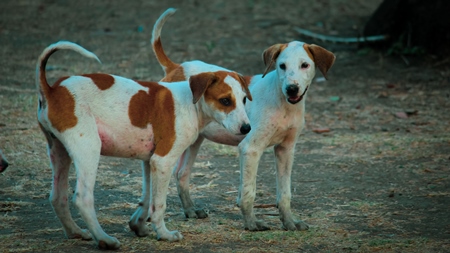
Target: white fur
[104, 128]
[275, 122]
[196, 67]
[276, 114]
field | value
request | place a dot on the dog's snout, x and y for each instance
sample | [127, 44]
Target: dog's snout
[245, 128]
[292, 90]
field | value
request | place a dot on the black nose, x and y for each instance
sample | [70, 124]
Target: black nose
[245, 128]
[292, 90]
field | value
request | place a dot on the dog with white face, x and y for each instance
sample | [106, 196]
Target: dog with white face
[277, 117]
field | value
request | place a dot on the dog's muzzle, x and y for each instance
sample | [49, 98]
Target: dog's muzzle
[292, 91]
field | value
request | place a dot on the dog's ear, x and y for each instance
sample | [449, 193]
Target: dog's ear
[271, 54]
[323, 58]
[245, 80]
[199, 83]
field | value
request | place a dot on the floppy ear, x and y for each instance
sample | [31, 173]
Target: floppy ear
[323, 58]
[271, 54]
[245, 80]
[199, 83]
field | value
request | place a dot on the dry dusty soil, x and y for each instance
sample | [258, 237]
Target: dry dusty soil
[377, 181]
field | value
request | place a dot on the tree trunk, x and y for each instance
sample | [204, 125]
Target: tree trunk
[413, 24]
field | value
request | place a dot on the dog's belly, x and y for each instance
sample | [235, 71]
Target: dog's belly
[128, 142]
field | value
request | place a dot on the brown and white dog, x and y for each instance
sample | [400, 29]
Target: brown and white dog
[90, 115]
[3, 162]
[277, 116]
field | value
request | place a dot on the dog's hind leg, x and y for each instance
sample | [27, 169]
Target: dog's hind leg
[60, 162]
[182, 173]
[85, 152]
[138, 220]
[284, 154]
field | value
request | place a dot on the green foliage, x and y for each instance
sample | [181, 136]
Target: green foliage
[402, 47]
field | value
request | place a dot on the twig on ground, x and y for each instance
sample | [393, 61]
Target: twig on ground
[264, 206]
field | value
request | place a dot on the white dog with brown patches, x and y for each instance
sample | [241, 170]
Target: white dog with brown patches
[277, 116]
[90, 115]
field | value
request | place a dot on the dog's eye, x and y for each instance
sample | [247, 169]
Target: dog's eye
[225, 101]
[282, 66]
[245, 100]
[305, 65]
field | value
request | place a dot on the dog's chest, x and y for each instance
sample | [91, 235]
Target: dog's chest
[284, 127]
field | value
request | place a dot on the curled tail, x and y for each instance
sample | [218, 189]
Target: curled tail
[167, 64]
[41, 80]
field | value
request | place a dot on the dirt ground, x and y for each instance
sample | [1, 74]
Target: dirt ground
[378, 181]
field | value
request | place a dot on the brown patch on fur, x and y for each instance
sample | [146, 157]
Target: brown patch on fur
[61, 106]
[103, 81]
[271, 54]
[157, 108]
[42, 77]
[174, 75]
[58, 99]
[218, 90]
[323, 58]
[306, 47]
[248, 79]
[169, 66]
[199, 83]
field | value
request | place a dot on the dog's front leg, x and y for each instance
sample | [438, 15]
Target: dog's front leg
[284, 154]
[138, 220]
[182, 173]
[249, 159]
[160, 178]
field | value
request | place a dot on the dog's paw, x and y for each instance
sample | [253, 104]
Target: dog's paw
[257, 225]
[83, 234]
[301, 225]
[195, 213]
[297, 225]
[140, 228]
[108, 243]
[201, 214]
[138, 223]
[171, 236]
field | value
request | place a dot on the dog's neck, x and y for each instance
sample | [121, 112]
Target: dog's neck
[203, 119]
